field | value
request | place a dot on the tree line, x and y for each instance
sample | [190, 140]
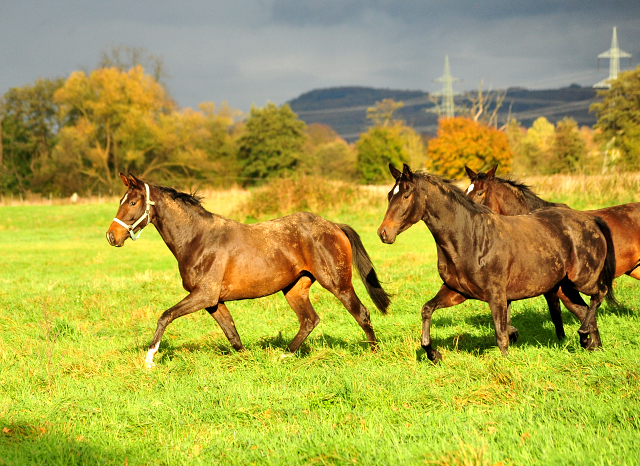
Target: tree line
[76, 134]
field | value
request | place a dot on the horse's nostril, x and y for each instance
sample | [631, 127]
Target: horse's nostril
[111, 237]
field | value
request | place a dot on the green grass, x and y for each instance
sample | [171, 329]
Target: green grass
[76, 316]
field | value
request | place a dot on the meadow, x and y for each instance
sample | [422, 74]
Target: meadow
[76, 316]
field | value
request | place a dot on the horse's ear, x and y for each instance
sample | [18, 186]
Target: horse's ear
[397, 174]
[470, 173]
[125, 180]
[134, 181]
[491, 173]
[406, 172]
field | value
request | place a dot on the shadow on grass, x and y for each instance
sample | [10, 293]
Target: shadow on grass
[24, 443]
[168, 350]
[534, 330]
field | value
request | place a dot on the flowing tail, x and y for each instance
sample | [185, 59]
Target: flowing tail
[362, 263]
[609, 270]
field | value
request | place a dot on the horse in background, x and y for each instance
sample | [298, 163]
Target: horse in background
[499, 259]
[512, 197]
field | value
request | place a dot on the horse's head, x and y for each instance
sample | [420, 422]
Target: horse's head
[480, 190]
[133, 214]
[404, 206]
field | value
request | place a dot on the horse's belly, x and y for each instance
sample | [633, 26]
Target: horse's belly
[249, 284]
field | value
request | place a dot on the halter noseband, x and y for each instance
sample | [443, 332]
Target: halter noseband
[147, 210]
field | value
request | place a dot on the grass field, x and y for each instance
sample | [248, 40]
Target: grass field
[76, 316]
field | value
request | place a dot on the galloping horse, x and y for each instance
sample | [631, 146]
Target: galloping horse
[498, 259]
[510, 197]
[222, 260]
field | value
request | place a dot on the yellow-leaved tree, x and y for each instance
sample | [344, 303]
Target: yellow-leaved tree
[124, 121]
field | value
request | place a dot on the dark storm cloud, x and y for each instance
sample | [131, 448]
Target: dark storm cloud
[254, 51]
[333, 12]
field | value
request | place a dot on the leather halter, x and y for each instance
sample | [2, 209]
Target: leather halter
[133, 226]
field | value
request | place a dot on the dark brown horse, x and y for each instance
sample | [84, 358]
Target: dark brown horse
[498, 259]
[510, 197]
[222, 260]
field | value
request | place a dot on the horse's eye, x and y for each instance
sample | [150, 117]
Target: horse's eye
[481, 192]
[406, 196]
[133, 203]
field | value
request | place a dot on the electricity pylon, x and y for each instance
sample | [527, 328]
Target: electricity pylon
[614, 54]
[447, 93]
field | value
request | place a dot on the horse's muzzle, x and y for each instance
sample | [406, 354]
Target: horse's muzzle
[113, 240]
[386, 236]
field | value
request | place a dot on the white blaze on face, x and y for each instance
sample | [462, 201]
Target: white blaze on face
[395, 191]
[124, 198]
[470, 188]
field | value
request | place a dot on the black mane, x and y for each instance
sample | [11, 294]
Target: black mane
[530, 197]
[193, 200]
[451, 191]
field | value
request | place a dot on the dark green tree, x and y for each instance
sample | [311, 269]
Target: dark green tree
[619, 117]
[272, 143]
[377, 148]
[568, 148]
[30, 123]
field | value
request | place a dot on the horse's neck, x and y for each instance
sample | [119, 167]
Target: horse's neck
[515, 201]
[449, 221]
[176, 226]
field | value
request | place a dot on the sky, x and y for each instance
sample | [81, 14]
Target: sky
[250, 52]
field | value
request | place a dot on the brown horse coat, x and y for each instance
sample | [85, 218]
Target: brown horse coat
[222, 260]
[510, 197]
[498, 259]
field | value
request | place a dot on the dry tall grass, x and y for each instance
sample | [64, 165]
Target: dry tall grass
[316, 194]
[588, 191]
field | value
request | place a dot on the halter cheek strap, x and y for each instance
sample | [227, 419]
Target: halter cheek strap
[132, 227]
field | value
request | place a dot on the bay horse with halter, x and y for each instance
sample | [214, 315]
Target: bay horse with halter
[511, 197]
[498, 259]
[221, 260]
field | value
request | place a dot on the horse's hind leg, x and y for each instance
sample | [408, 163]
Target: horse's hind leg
[589, 334]
[228, 326]
[350, 300]
[298, 298]
[501, 313]
[556, 314]
[589, 327]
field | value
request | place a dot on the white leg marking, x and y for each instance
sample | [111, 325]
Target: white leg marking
[150, 354]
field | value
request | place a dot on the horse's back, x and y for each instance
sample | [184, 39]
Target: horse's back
[624, 223]
[583, 239]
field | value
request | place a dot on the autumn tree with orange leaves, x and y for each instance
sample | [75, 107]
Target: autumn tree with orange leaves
[461, 141]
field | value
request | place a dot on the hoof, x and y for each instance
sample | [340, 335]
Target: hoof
[149, 365]
[560, 334]
[584, 340]
[513, 335]
[286, 355]
[593, 345]
[433, 354]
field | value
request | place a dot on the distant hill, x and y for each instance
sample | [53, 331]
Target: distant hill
[345, 108]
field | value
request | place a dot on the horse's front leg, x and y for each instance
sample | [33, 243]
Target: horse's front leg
[446, 297]
[198, 299]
